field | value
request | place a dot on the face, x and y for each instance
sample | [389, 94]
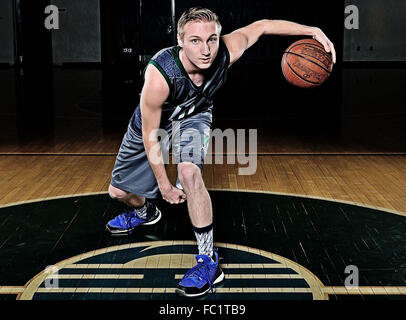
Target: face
[200, 43]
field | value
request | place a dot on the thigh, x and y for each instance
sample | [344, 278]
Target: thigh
[190, 139]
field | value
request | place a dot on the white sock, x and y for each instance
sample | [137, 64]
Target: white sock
[142, 212]
[204, 237]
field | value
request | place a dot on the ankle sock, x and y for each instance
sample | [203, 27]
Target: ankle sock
[142, 211]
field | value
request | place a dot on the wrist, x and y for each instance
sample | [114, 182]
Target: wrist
[164, 184]
[311, 31]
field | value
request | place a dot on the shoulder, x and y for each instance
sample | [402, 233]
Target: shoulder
[155, 83]
[159, 67]
[155, 91]
[162, 55]
[234, 42]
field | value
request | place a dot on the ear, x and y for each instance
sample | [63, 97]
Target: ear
[180, 41]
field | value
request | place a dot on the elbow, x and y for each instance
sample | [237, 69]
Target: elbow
[265, 21]
[263, 26]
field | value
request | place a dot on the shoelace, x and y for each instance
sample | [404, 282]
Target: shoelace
[197, 270]
[127, 216]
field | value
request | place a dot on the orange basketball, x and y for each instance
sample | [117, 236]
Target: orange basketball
[306, 64]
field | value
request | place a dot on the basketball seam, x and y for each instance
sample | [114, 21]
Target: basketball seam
[310, 44]
[296, 54]
[299, 75]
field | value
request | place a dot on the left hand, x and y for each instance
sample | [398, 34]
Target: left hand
[327, 44]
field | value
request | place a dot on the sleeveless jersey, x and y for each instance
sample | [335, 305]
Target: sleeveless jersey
[185, 98]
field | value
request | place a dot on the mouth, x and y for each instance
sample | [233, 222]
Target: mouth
[205, 60]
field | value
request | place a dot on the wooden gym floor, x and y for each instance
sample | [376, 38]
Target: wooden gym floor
[373, 181]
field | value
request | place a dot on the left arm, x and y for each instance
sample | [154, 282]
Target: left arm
[241, 39]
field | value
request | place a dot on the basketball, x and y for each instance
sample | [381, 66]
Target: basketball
[306, 64]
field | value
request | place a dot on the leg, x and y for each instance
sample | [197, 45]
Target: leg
[199, 206]
[194, 137]
[131, 200]
[201, 216]
[207, 273]
[132, 181]
[198, 199]
[143, 212]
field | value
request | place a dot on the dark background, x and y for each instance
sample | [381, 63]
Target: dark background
[95, 61]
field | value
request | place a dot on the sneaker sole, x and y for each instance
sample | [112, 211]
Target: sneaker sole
[195, 295]
[127, 232]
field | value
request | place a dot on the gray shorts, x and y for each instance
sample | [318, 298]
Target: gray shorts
[187, 140]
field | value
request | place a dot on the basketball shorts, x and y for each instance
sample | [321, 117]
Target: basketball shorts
[180, 141]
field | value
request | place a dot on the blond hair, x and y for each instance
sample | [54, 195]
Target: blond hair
[197, 14]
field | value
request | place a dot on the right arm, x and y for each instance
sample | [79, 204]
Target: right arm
[154, 94]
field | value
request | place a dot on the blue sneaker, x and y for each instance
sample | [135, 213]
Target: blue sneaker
[201, 278]
[128, 220]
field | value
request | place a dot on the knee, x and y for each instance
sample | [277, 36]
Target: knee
[116, 193]
[189, 176]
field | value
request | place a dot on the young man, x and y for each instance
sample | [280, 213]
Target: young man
[179, 84]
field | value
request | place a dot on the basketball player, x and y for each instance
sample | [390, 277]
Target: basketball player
[177, 97]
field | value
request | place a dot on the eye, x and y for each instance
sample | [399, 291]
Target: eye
[195, 41]
[213, 39]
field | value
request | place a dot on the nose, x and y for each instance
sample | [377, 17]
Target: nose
[205, 50]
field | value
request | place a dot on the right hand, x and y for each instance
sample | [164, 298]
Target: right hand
[322, 38]
[172, 194]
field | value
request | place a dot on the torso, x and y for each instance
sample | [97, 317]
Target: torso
[190, 93]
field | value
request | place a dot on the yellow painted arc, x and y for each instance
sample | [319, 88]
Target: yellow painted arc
[187, 259]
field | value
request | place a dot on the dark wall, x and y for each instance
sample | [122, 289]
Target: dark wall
[35, 41]
[381, 32]
[120, 28]
[133, 28]
[6, 32]
[78, 38]
[34, 77]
